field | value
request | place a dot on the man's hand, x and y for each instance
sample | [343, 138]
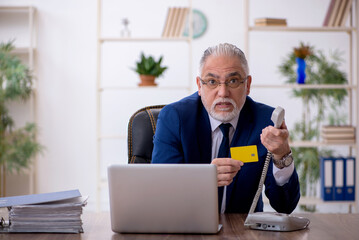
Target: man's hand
[227, 168]
[276, 140]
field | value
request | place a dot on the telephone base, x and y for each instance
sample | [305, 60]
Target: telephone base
[275, 222]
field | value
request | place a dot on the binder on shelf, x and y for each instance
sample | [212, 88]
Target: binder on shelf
[339, 179]
[326, 174]
[58, 212]
[349, 189]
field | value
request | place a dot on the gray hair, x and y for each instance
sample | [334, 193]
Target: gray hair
[224, 49]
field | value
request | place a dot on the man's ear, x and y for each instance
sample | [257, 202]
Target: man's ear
[248, 84]
[198, 81]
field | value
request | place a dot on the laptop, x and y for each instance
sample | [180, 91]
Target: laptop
[163, 198]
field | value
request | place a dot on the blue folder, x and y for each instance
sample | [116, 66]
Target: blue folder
[339, 178]
[349, 189]
[327, 178]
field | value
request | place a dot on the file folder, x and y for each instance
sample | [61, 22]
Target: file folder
[339, 179]
[349, 189]
[326, 173]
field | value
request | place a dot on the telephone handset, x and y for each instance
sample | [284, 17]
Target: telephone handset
[273, 221]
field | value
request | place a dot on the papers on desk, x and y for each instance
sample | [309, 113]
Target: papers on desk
[54, 216]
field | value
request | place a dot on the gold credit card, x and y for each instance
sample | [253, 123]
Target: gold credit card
[245, 153]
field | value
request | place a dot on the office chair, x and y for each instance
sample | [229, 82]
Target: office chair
[141, 129]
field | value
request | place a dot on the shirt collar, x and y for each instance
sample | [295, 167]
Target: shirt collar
[215, 123]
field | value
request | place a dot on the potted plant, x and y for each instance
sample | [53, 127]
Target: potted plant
[149, 69]
[17, 146]
[320, 107]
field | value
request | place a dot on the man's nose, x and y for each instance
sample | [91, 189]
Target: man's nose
[223, 90]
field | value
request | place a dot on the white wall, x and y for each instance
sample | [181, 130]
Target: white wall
[66, 70]
[66, 74]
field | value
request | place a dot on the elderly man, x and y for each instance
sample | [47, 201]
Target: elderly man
[200, 127]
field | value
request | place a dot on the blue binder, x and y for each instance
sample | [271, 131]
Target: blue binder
[339, 178]
[349, 187]
[327, 178]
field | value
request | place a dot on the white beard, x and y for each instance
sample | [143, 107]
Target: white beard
[221, 116]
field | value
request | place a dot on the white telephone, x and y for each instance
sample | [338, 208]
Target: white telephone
[273, 221]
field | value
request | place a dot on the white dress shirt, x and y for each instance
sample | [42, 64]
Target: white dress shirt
[281, 176]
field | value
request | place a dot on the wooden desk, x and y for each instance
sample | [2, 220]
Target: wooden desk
[323, 226]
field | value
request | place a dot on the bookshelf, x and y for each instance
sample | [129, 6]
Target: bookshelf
[19, 23]
[107, 87]
[352, 34]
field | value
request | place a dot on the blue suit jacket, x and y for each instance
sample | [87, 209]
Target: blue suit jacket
[183, 135]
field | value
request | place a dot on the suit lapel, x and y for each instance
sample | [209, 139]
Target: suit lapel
[204, 136]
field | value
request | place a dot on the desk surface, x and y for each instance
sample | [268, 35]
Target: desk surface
[322, 226]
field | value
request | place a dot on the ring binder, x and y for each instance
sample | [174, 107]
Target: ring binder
[337, 178]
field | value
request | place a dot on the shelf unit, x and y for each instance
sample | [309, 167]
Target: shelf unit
[351, 87]
[101, 90]
[21, 183]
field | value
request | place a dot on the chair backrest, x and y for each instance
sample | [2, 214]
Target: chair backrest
[141, 129]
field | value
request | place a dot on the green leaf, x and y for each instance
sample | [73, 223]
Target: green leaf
[149, 66]
[17, 147]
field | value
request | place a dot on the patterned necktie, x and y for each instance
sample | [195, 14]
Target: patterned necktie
[223, 152]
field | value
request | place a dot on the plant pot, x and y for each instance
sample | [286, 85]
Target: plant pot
[147, 80]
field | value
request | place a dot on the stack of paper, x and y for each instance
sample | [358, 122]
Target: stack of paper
[51, 214]
[338, 134]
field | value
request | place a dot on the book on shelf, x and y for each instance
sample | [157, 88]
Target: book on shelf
[270, 22]
[339, 141]
[175, 16]
[337, 178]
[329, 13]
[55, 212]
[334, 13]
[168, 23]
[337, 13]
[175, 21]
[347, 9]
[338, 128]
[340, 13]
[338, 134]
[181, 22]
[333, 136]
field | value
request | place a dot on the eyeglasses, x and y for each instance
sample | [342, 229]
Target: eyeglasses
[234, 82]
